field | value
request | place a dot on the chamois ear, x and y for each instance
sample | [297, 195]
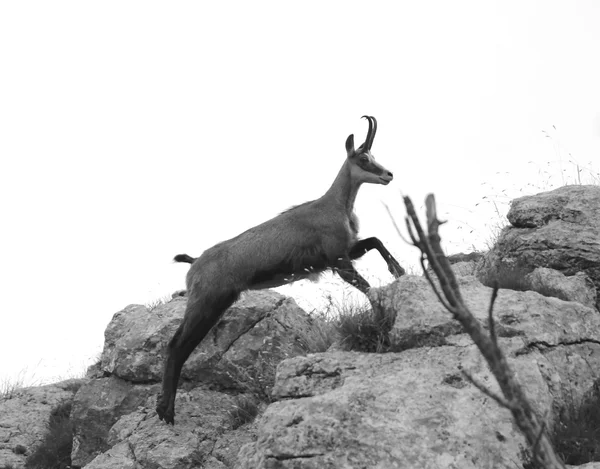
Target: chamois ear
[350, 144]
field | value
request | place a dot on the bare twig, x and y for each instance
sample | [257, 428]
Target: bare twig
[435, 290]
[491, 322]
[499, 399]
[539, 437]
[394, 223]
[514, 398]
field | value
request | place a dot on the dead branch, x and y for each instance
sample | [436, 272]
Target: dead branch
[514, 398]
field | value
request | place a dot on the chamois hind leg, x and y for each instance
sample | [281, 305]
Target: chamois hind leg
[346, 270]
[365, 245]
[200, 317]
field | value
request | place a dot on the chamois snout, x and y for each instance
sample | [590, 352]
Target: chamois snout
[387, 177]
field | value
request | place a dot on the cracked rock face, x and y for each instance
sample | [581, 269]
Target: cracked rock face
[407, 410]
[559, 230]
[532, 317]
[24, 417]
[415, 408]
[113, 415]
[138, 440]
[261, 322]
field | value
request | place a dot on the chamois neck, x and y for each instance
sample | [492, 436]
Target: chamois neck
[343, 190]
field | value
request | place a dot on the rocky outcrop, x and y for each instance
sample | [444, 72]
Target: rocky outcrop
[406, 410]
[559, 230]
[260, 323]
[203, 436]
[24, 417]
[113, 414]
[412, 408]
[415, 408]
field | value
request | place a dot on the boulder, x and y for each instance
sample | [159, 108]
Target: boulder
[406, 410]
[202, 437]
[550, 282]
[97, 407]
[24, 417]
[261, 324]
[239, 355]
[536, 318]
[559, 230]
[415, 408]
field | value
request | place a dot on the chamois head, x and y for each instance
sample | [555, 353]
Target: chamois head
[363, 166]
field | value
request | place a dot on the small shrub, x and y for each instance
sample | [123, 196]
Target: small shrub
[323, 336]
[324, 331]
[9, 389]
[258, 379]
[364, 329]
[576, 432]
[243, 411]
[152, 305]
[54, 452]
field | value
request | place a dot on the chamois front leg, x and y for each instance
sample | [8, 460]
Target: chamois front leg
[346, 270]
[365, 245]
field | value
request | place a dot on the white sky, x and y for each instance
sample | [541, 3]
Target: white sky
[133, 131]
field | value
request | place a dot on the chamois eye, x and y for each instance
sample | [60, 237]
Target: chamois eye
[364, 159]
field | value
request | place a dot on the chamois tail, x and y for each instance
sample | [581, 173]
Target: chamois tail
[184, 258]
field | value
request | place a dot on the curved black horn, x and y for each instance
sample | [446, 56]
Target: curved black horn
[371, 132]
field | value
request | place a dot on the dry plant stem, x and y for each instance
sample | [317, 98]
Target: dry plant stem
[491, 323]
[514, 397]
[499, 399]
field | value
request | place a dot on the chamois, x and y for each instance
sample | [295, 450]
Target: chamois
[301, 242]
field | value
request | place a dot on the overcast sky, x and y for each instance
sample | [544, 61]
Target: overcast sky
[134, 131]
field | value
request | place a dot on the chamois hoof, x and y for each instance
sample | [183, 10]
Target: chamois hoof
[397, 271]
[164, 413]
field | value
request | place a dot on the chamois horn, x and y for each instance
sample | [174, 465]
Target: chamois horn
[370, 133]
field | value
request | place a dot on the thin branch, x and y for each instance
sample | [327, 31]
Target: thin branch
[491, 322]
[435, 239]
[394, 223]
[414, 240]
[434, 287]
[423, 243]
[534, 449]
[499, 399]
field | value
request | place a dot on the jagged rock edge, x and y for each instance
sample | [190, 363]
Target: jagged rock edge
[253, 325]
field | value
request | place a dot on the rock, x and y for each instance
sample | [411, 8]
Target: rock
[474, 256]
[461, 269]
[534, 317]
[462, 263]
[24, 416]
[240, 354]
[576, 205]
[201, 437]
[415, 408]
[559, 229]
[550, 282]
[404, 410]
[261, 324]
[135, 338]
[97, 407]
